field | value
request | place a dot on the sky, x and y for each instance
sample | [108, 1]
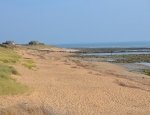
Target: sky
[74, 21]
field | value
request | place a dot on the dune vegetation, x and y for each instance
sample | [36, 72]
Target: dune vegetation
[8, 85]
[29, 63]
[8, 55]
[147, 72]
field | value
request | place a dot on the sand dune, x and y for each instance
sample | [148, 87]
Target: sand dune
[64, 86]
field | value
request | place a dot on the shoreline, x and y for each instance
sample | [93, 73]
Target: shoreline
[111, 50]
[133, 62]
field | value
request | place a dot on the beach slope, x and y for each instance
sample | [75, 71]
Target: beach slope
[62, 85]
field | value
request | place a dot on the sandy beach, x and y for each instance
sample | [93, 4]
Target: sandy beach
[60, 85]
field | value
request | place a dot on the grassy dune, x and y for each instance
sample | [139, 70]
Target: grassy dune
[29, 63]
[8, 55]
[8, 85]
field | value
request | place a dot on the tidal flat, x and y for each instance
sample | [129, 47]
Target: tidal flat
[134, 59]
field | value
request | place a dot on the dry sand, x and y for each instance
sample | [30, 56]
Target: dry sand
[60, 85]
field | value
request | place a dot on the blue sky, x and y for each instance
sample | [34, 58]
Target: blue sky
[75, 21]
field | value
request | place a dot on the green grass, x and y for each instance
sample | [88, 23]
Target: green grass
[29, 63]
[9, 86]
[147, 72]
[8, 55]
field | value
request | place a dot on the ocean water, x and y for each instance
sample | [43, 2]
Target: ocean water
[144, 63]
[118, 53]
[143, 44]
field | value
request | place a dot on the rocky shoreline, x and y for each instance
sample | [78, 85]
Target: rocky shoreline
[132, 62]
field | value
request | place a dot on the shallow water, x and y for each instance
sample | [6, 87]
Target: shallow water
[144, 63]
[117, 53]
[143, 44]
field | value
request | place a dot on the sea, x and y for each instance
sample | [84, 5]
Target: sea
[139, 44]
